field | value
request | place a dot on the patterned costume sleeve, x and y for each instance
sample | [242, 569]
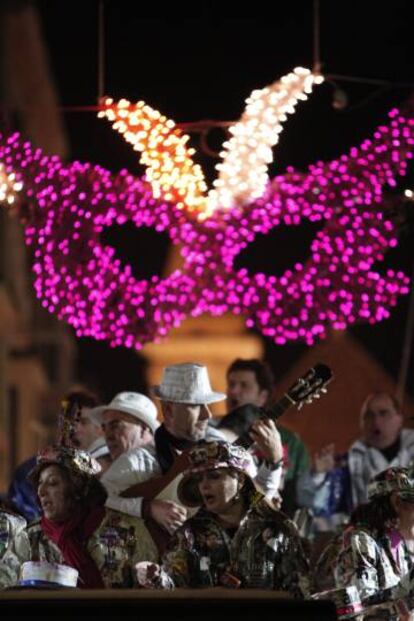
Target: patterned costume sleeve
[357, 564]
[175, 570]
[145, 548]
[179, 560]
[291, 573]
[14, 548]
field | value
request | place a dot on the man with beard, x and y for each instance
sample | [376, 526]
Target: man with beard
[185, 394]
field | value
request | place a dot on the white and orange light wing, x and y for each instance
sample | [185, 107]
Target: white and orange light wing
[170, 169]
[242, 173]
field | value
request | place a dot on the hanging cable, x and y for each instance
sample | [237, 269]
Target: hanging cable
[101, 50]
[374, 81]
[316, 38]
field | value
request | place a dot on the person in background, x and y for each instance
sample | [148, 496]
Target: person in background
[88, 435]
[20, 496]
[338, 483]
[377, 550]
[251, 381]
[129, 422]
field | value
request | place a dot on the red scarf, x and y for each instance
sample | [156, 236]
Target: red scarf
[71, 538]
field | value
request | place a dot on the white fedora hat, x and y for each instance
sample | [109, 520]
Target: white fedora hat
[187, 383]
[133, 403]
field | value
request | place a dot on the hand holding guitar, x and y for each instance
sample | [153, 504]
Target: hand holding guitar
[265, 434]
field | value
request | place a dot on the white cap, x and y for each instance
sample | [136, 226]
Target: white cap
[133, 403]
[187, 383]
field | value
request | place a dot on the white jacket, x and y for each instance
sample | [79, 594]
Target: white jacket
[365, 462]
[135, 466]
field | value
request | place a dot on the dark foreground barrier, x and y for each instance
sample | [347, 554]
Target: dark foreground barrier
[140, 605]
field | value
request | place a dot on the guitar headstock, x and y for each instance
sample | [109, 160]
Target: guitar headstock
[311, 385]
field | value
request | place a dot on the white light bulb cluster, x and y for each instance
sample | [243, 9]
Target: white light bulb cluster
[8, 186]
[246, 156]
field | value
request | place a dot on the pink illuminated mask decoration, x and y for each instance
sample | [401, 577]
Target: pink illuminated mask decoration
[69, 205]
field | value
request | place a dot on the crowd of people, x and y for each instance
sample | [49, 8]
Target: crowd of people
[131, 502]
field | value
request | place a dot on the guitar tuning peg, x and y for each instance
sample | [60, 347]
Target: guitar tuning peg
[324, 390]
[300, 405]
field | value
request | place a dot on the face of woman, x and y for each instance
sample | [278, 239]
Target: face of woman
[54, 493]
[218, 489]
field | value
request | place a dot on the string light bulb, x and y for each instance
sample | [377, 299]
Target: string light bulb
[9, 186]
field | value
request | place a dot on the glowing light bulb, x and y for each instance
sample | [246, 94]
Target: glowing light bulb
[9, 186]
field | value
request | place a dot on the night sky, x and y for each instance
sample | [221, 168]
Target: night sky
[200, 61]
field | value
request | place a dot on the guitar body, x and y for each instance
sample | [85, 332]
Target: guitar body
[160, 536]
[163, 487]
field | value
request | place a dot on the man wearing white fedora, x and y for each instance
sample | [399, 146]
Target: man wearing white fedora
[185, 394]
[128, 422]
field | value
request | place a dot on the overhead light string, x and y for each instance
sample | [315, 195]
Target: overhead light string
[316, 38]
[101, 50]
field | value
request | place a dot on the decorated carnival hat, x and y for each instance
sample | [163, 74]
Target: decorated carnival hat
[346, 599]
[211, 456]
[187, 383]
[80, 467]
[133, 403]
[398, 480]
[47, 575]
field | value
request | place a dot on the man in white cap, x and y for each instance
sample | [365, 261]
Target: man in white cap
[128, 422]
[185, 394]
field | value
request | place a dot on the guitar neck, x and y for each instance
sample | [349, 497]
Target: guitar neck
[279, 408]
[273, 412]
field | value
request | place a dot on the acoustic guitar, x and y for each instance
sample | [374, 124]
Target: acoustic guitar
[234, 425]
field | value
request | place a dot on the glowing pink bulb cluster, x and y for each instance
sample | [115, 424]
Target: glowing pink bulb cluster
[81, 281]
